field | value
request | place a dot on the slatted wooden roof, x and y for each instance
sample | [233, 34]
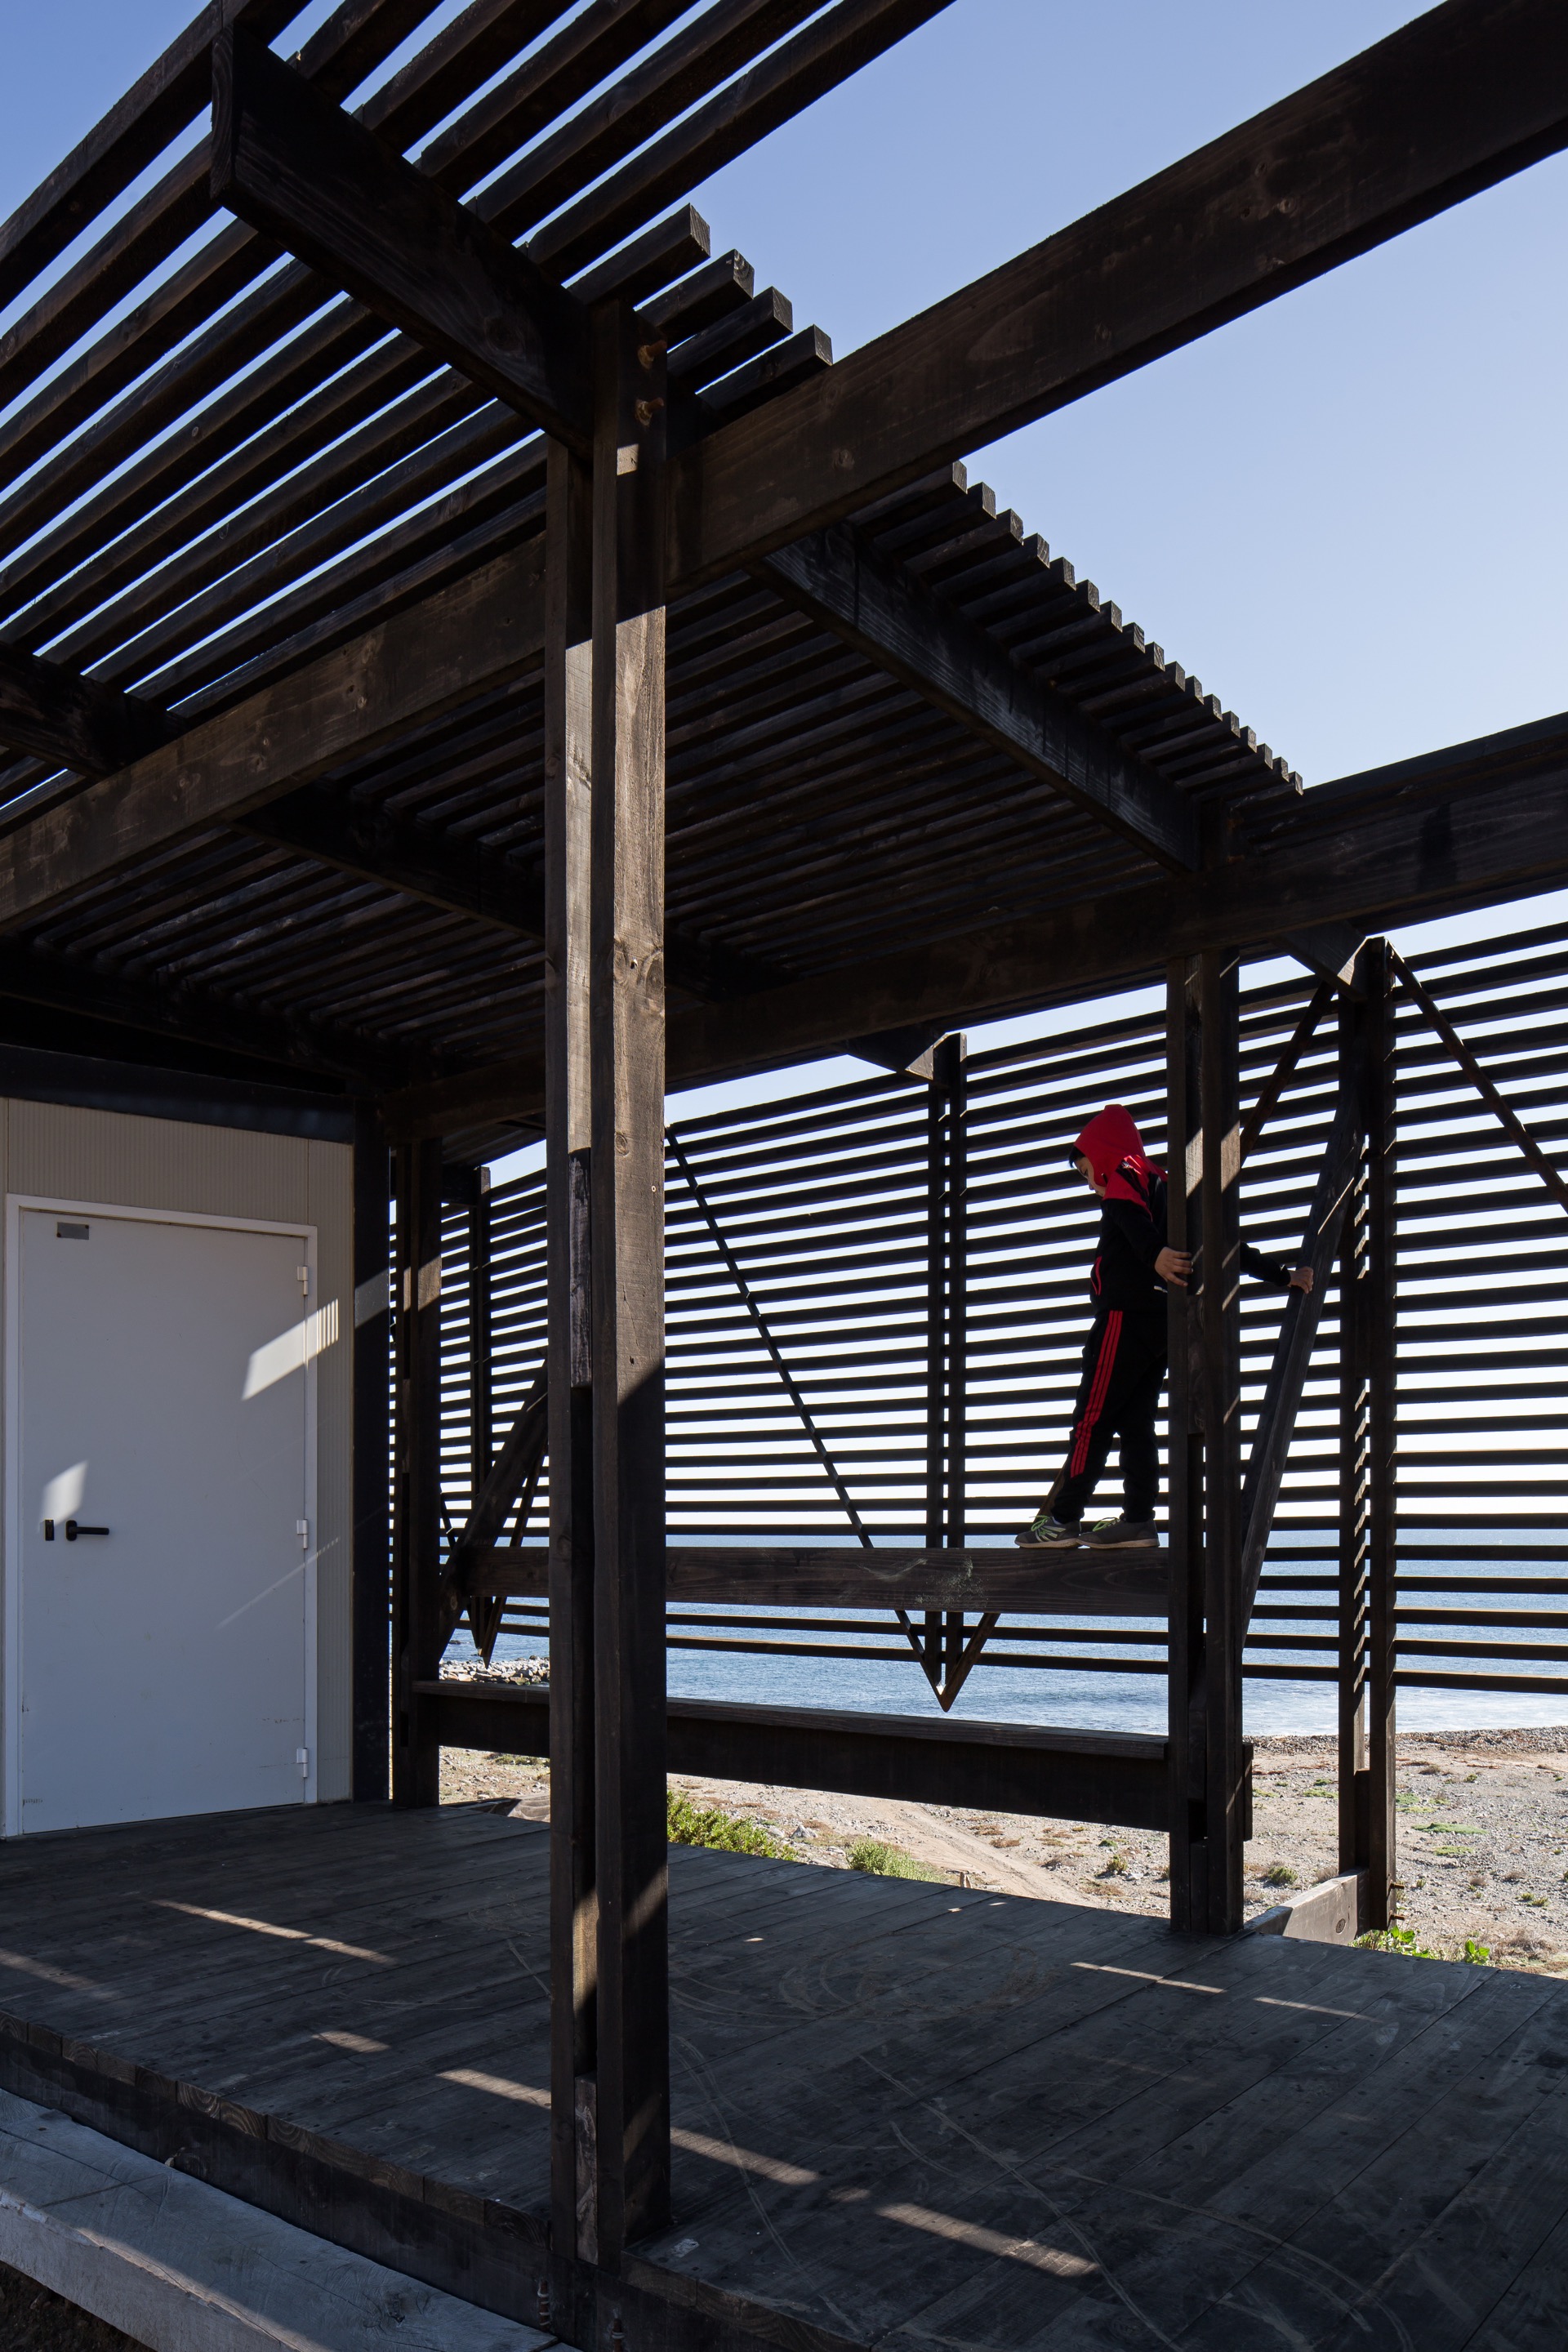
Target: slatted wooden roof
[218, 473]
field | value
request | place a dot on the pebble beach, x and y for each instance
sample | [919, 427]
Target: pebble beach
[1483, 1833]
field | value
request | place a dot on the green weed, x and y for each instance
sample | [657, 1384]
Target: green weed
[1394, 1940]
[1280, 1875]
[887, 1860]
[690, 1824]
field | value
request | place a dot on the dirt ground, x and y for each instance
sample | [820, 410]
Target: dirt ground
[34, 2320]
[1483, 1836]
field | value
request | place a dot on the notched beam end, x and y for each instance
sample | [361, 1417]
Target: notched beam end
[56, 714]
[306, 172]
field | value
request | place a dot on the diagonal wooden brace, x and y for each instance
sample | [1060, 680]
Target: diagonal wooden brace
[515, 1467]
[1293, 1349]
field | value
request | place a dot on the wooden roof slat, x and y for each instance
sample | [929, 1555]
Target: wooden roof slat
[503, 496]
[284, 384]
[794, 361]
[937, 654]
[814, 61]
[1458, 99]
[234, 511]
[401, 111]
[426, 574]
[353, 39]
[133, 134]
[189, 612]
[653, 93]
[126, 434]
[587, 48]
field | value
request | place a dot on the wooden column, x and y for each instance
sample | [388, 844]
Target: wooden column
[372, 1474]
[416, 1512]
[946, 1329]
[626, 1195]
[1382, 1863]
[1353, 1498]
[481, 1415]
[1185, 1474]
[568, 718]
[1219, 1309]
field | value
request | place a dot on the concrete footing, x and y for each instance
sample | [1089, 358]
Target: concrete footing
[182, 2267]
[1323, 1914]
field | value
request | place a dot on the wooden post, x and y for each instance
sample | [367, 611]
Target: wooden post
[1219, 1309]
[946, 1331]
[1185, 1475]
[416, 1515]
[1353, 1471]
[627, 1073]
[573, 1933]
[372, 1472]
[481, 1417]
[1383, 1861]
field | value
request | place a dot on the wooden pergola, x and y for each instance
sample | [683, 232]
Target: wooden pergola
[469, 657]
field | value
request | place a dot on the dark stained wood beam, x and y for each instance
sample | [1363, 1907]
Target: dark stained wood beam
[840, 580]
[1476, 824]
[199, 1017]
[464, 876]
[97, 729]
[303, 171]
[1451, 104]
[57, 715]
[1084, 1776]
[479, 633]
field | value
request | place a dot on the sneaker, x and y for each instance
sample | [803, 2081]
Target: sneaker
[1126, 1535]
[1047, 1531]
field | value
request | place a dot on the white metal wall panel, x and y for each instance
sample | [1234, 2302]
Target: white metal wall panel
[57, 1151]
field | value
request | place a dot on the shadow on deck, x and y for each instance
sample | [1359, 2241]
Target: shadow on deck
[905, 2115]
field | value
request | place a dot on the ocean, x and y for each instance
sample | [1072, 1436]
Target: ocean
[1073, 1698]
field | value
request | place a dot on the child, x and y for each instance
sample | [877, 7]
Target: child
[1124, 1359]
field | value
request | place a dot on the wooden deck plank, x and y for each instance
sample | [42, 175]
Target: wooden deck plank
[905, 2113]
[897, 2137]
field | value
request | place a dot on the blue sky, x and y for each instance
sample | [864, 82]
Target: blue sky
[1344, 514]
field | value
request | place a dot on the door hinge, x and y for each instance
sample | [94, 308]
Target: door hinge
[302, 1758]
[304, 1273]
[302, 1529]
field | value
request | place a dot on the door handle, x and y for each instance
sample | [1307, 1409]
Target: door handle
[73, 1528]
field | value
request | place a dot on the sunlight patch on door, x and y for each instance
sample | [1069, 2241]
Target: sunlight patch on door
[63, 1495]
[291, 1350]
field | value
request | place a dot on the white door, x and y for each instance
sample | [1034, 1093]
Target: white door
[160, 1522]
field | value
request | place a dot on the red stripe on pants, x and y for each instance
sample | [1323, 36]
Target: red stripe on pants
[1077, 1462]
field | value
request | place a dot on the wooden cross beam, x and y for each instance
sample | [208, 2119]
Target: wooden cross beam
[840, 580]
[1461, 97]
[1481, 823]
[301, 170]
[467, 878]
[199, 1017]
[479, 633]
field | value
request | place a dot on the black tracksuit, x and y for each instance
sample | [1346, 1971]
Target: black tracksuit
[1125, 1354]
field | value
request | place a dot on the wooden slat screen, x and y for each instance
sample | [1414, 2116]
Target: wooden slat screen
[800, 1396]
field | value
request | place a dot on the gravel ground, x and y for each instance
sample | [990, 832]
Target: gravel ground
[1483, 1835]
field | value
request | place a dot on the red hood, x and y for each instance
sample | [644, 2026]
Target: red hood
[1108, 1143]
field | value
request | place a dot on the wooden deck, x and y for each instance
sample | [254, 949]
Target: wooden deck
[905, 2115]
